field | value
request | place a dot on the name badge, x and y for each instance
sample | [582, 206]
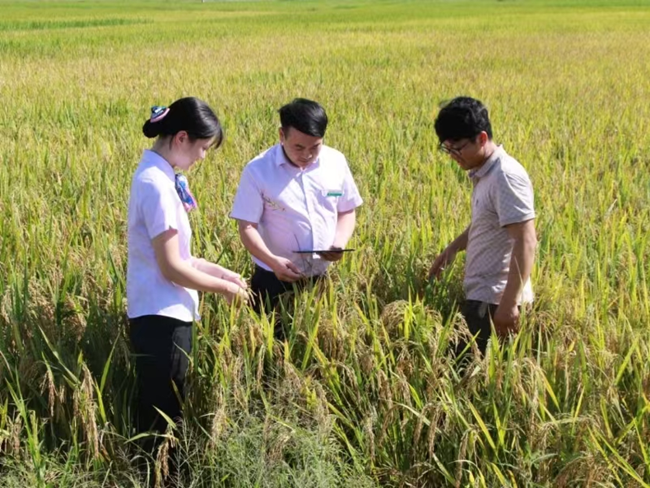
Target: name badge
[333, 193]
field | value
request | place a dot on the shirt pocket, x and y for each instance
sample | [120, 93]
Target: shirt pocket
[328, 197]
[332, 192]
[483, 210]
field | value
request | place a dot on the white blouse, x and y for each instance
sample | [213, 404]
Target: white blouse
[155, 207]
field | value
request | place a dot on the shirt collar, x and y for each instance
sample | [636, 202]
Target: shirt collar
[152, 158]
[488, 165]
[281, 159]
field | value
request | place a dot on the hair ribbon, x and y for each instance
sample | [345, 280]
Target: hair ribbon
[158, 113]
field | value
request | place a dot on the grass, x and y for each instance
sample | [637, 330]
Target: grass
[362, 393]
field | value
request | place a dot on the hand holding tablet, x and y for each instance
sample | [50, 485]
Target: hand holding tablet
[332, 254]
[320, 251]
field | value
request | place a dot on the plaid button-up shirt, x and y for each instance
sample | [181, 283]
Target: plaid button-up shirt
[502, 195]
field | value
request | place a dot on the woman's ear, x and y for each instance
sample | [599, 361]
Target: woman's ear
[181, 137]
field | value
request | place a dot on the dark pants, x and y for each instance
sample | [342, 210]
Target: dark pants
[161, 345]
[267, 289]
[478, 316]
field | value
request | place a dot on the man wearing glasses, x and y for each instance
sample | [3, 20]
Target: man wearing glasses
[500, 240]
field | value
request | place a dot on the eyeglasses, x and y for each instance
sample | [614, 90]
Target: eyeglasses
[453, 151]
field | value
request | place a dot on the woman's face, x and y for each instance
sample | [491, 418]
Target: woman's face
[188, 151]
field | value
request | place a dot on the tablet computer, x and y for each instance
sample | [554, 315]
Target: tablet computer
[317, 251]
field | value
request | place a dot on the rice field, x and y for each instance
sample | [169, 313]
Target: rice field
[363, 392]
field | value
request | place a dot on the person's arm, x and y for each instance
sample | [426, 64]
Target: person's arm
[446, 257]
[346, 217]
[345, 223]
[217, 271]
[506, 317]
[283, 268]
[182, 273]
[248, 209]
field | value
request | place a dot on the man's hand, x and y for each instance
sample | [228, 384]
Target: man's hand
[332, 255]
[443, 260]
[506, 320]
[285, 270]
[447, 256]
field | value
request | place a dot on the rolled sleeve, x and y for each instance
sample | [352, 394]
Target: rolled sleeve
[248, 205]
[351, 198]
[159, 208]
[514, 199]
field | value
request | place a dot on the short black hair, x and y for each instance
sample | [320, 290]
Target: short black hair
[462, 118]
[187, 114]
[304, 115]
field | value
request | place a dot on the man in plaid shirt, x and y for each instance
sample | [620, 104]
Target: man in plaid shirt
[500, 240]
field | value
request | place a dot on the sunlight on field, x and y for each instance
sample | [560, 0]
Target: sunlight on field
[363, 393]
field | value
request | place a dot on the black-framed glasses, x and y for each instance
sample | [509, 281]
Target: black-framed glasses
[453, 151]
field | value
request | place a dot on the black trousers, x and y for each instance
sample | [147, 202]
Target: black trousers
[161, 345]
[478, 316]
[267, 289]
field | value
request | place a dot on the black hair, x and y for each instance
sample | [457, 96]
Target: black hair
[304, 115]
[188, 114]
[462, 118]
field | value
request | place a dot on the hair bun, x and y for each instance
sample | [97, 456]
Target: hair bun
[187, 114]
[150, 130]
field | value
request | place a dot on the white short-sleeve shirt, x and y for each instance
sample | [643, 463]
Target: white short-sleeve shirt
[502, 195]
[296, 209]
[155, 207]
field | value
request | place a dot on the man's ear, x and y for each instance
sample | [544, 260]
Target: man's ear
[281, 135]
[483, 138]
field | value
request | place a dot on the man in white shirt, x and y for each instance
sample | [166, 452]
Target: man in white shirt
[295, 205]
[500, 240]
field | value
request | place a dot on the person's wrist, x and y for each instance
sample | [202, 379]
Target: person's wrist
[273, 262]
[508, 304]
